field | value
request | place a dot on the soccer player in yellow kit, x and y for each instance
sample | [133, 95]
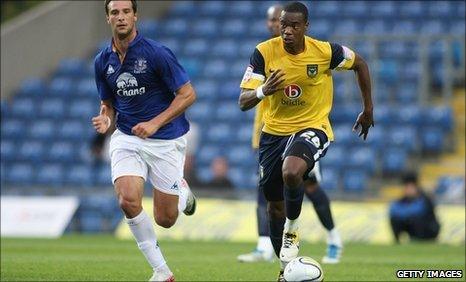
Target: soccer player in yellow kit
[292, 76]
[318, 197]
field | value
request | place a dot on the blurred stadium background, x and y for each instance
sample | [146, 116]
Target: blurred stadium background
[415, 50]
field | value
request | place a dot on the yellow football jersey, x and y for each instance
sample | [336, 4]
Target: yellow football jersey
[305, 98]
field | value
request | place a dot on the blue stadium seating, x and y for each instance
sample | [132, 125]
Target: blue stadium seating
[214, 45]
[354, 180]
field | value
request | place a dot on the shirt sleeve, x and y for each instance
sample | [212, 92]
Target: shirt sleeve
[104, 90]
[169, 69]
[254, 75]
[342, 57]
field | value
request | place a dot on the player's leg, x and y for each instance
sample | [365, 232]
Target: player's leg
[321, 204]
[303, 150]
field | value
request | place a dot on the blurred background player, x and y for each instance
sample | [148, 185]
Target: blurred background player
[136, 79]
[414, 212]
[297, 132]
[319, 199]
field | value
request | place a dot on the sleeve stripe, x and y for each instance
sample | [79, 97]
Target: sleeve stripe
[257, 76]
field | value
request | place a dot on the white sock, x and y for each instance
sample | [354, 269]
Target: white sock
[291, 225]
[182, 196]
[282, 265]
[143, 231]
[264, 244]
[334, 238]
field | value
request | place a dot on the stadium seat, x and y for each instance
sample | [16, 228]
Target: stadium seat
[335, 157]
[52, 108]
[8, 150]
[72, 67]
[346, 27]
[200, 112]
[407, 93]
[148, 28]
[86, 87]
[207, 153]
[374, 27]
[20, 174]
[62, 86]
[204, 173]
[43, 129]
[402, 136]
[439, 116]
[205, 27]
[394, 161]
[83, 109]
[221, 132]
[62, 151]
[76, 130]
[354, 180]
[244, 134]
[432, 139]
[213, 8]
[172, 43]
[182, 8]
[411, 9]
[51, 175]
[363, 159]
[408, 114]
[24, 108]
[215, 69]
[330, 179]
[230, 90]
[226, 49]
[12, 128]
[234, 28]
[175, 27]
[227, 111]
[31, 151]
[404, 27]
[432, 27]
[104, 176]
[79, 175]
[241, 155]
[91, 221]
[325, 8]
[206, 89]
[32, 87]
[440, 8]
[240, 8]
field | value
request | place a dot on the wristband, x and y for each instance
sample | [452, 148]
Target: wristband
[259, 94]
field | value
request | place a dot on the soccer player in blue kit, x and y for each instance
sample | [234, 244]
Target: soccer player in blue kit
[144, 91]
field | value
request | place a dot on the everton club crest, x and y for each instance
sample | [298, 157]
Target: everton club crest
[140, 65]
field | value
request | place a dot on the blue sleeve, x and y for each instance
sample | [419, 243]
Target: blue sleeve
[169, 69]
[105, 92]
[337, 55]
[257, 62]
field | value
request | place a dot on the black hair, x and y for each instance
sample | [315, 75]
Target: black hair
[409, 177]
[297, 7]
[133, 3]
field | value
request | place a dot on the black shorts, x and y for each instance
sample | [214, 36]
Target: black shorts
[308, 144]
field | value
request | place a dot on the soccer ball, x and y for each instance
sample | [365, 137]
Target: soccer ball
[303, 269]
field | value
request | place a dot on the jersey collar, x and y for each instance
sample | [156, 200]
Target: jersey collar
[131, 44]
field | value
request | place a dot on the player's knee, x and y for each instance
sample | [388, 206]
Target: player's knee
[276, 210]
[165, 220]
[130, 207]
[291, 177]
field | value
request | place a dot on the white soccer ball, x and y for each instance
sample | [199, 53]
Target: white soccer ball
[303, 269]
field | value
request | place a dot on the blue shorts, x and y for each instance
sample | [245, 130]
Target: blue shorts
[308, 144]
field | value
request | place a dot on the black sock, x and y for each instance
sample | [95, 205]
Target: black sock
[293, 201]
[276, 233]
[322, 207]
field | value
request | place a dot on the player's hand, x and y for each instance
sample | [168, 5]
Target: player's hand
[144, 129]
[102, 122]
[365, 120]
[273, 82]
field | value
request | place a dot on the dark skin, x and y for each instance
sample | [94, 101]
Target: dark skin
[293, 27]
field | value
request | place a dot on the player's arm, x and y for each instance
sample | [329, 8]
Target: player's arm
[344, 58]
[249, 98]
[105, 119]
[252, 88]
[185, 97]
[365, 119]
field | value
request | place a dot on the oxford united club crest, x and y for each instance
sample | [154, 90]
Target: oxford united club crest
[312, 70]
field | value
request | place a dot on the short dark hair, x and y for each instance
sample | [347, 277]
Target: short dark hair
[297, 7]
[133, 2]
[409, 177]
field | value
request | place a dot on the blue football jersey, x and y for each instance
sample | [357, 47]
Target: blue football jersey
[143, 86]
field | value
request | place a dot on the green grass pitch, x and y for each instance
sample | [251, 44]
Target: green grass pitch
[102, 257]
